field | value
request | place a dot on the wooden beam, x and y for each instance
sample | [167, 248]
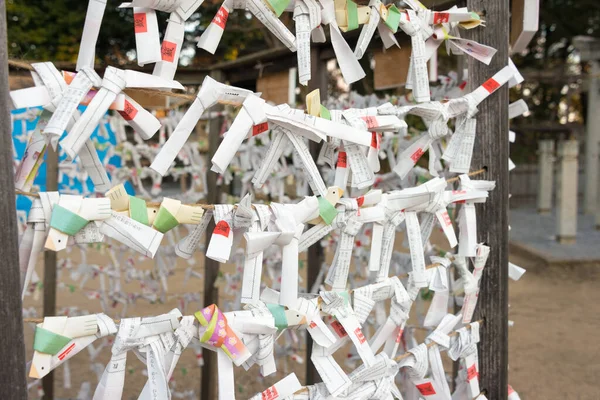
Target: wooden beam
[12, 347]
[208, 389]
[491, 151]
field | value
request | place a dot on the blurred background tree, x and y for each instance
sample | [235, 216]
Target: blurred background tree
[51, 30]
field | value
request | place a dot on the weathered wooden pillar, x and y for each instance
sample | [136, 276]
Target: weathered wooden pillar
[546, 175]
[50, 265]
[491, 151]
[12, 345]
[566, 216]
[316, 255]
[208, 389]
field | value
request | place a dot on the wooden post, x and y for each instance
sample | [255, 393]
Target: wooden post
[316, 255]
[491, 151]
[50, 265]
[12, 347]
[208, 389]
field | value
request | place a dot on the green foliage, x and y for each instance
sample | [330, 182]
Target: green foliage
[51, 30]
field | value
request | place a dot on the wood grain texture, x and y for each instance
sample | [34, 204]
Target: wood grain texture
[50, 265]
[12, 346]
[491, 150]
[208, 389]
[316, 255]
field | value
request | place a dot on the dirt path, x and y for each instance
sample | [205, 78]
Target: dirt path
[553, 346]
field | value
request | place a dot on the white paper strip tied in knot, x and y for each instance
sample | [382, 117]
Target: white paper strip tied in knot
[464, 346]
[418, 77]
[51, 92]
[436, 116]
[89, 36]
[471, 281]
[251, 114]
[357, 216]
[133, 334]
[174, 344]
[210, 39]
[390, 332]
[253, 260]
[338, 306]
[460, 147]
[349, 65]
[438, 283]
[113, 83]
[362, 175]
[307, 18]
[467, 219]
[211, 92]
[378, 10]
[32, 242]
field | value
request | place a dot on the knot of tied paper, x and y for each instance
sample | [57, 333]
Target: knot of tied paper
[58, 339]
[349, 15]
[48, 342]
[218, 333]
[71, 215]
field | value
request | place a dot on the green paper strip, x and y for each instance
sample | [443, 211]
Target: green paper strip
[138, 210]
[326, 210]
[66, 221]
[48, 342]
[393, 18]
[325, 113]
[165, 221]
[279, 315]
[352, 11]
[278, 6]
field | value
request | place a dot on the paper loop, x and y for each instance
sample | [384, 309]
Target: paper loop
[326, 210]
[66, 221]
[48, 342]
[352, 12]
[138, 210]
[279, 315]
[165, 221]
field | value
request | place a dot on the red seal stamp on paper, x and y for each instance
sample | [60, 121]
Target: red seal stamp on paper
[360, 336]
[371, 121]
[260, 128]
[491, 85]
[220, 18]
[129, 111]
[441, 17]
[426, 389]
[416, 155]
[270, 394]
[342, 160]
[222, 228]
[168, 50]
[472, 372]
[339, 329]
[139, 22]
